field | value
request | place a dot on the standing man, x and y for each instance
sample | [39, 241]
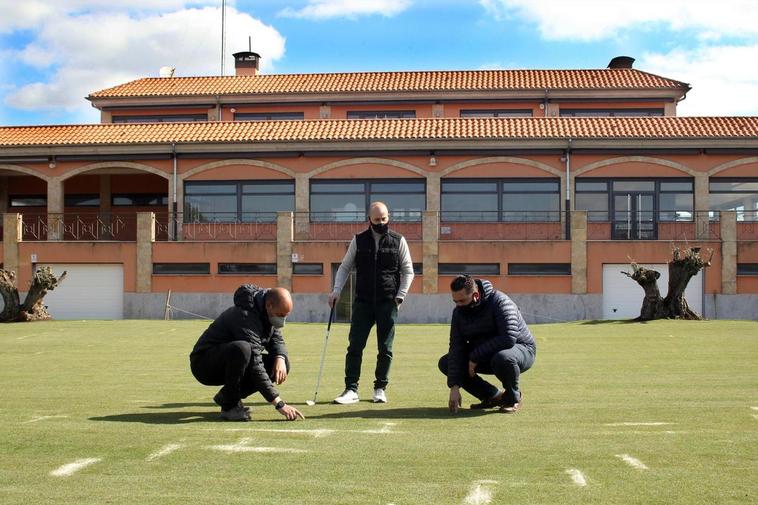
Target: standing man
[487, 335]
[230, 352]
[384, 272]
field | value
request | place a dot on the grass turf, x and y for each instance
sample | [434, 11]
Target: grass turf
[125, 390]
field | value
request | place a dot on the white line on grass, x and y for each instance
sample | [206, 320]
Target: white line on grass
[42, 418]
[577, 476]
[242, 446]
[754, 408]
[315, 433]
[633, 462]
[387, 428]
[163, 451]
[480, 493]
[70, 468]
[638, 424]
[755, 416]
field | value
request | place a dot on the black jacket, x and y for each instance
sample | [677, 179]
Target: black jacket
[377, 271]
[247, 321]
[478, 333]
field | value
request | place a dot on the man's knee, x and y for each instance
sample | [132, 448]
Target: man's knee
[442, 364]
[238, 351]
[503, 359]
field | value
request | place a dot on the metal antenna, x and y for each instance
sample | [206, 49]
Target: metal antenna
[223, 33]
[250, 43]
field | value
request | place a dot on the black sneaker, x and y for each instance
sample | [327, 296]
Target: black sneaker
[512, 409]
[219, 400]
[490, 403]
[236, 413]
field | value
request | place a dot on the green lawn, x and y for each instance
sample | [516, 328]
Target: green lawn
[120, 391]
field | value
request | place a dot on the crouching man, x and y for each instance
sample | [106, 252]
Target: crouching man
[230, 353]
[488, 336]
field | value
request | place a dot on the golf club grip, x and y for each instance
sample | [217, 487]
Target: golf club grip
[331, 316]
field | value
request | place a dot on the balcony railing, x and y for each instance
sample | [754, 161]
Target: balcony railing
[216, 226]
[85, 226]
[676, 226]
[494, 225]
[339, 226]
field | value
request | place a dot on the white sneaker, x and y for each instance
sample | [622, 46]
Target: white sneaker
[380, 396]
[347, 397]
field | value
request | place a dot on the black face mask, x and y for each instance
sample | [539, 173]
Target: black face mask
[472, 306]
[380, 228]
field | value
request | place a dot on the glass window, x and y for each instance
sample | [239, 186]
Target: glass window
[28, 201]
[503, 200]
[349, 201]
[748, 186]
[676, 206]
[596, 205]
[268, 116]
[181, 268]
[244, 201]
[467, 207]
[591, 186]
[531, 207]
[469, 268]
[382, 114]
[82, 200]
[139, 200]
[162, 118]
[194, 187]
[738, 195]
[308, 268]
[747, 268]
[539, 269]
[676, 186]
[610, 112]
[634, 186]
[247, 268]
[496, 113]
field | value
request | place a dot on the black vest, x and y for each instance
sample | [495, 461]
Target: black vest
[378, 273]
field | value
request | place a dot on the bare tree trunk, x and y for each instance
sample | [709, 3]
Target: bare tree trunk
[33, 308]
[685, 264]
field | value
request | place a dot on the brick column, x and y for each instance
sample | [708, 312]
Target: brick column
[728, 253]
[325, 112]
[284, 236]
[433, 190]
[105, 205]
[669, 109]
[12, 235]
[702, 203]
[430, 232]
[4, 195]
[579, 252]
[552, 110]
[55, 209]
[302, 205]
[145, 239]
[438, 110]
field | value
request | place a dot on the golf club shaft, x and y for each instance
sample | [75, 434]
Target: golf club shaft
[323, 352]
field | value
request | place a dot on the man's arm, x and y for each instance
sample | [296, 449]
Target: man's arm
[406, 270]
[343, 272]
[508, 320]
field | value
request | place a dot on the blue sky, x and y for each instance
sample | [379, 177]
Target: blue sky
[54, 52]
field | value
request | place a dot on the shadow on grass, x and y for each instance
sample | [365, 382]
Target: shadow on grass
[401, 413]
[612, 321]
[160, 417]
[180, 405]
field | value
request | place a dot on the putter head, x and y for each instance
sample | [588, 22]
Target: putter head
[310, 403]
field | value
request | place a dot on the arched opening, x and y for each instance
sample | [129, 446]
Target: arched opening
[25, 194]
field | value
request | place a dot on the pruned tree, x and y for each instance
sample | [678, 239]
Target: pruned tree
[684, 265]
[33, 308]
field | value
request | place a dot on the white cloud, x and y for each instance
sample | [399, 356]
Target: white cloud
[724, 79]
[82, 53]
[596, 19]
[326, 9]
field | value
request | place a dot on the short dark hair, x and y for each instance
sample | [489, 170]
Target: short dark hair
[463, 282]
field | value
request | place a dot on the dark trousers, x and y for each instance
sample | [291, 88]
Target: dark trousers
[507, 365]
[365, 315]
[228, 365]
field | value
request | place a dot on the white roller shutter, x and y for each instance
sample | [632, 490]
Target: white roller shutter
[622, 297]
[87, 292]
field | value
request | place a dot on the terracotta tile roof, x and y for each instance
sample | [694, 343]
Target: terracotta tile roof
[382, 82]
[653, 128]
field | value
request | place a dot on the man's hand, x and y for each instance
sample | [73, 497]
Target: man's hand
[471, 369]
[333, 299]
[454, 403]
[280, 370]
[291, 413]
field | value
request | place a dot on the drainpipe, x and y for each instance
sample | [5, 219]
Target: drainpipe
[568, 190]
[173, 196]
[545, 101]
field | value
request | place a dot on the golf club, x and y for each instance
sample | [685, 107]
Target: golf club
[323, 356]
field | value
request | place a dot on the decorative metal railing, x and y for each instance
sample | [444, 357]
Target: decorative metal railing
[342, 226]
[216, 226]
[678, 226]
[86, 227]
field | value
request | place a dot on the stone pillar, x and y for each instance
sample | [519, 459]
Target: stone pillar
[430, 232]
[438, 110]
[433, 190]
[302, 218]
[12, 235]
[728, 253]
[579, 252]
[669, 109]
[55, 209]
[325, 111]
[106, 116]
[105, 205]
[284, 237]
[552, 110]
[145, 239]
[702, 204]
[4, 195]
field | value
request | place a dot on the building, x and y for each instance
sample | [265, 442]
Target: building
[547, 182]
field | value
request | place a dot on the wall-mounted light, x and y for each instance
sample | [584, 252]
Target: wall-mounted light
[51, 161]
[432, 160]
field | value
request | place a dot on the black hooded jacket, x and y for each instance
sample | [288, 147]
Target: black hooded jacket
[247, 321]
[478, 333]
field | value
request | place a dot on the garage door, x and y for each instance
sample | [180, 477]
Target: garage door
[622, 297]
[87, 292]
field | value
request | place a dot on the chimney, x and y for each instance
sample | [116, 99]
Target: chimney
[246, 63]
[621, 62]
